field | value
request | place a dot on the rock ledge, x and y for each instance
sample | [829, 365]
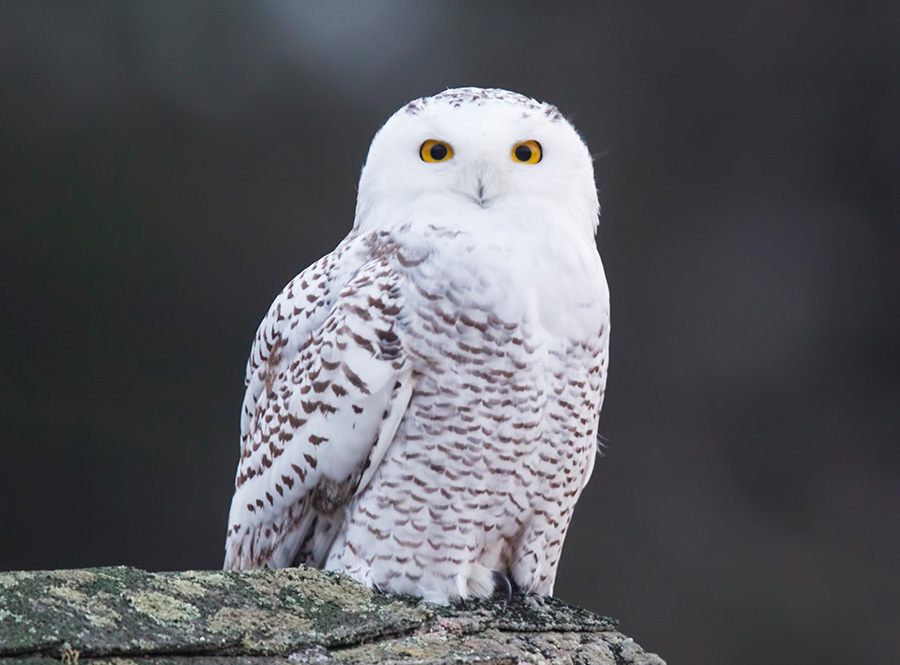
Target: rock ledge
[299, 615]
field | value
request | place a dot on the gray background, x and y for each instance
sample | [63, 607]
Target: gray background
[165, 168]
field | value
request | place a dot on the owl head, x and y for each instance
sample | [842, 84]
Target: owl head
[485, 158]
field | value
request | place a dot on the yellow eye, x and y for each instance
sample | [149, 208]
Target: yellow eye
[435, 151]
[527, 152]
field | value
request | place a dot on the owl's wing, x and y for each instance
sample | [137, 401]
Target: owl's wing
[328, 383]
[300, 308]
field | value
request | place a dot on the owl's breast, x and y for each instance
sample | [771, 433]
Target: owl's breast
[492, 326]
[499, 434]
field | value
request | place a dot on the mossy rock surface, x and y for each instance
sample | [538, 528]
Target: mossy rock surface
[299, 615]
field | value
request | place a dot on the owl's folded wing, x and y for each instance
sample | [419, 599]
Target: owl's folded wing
[321, 409]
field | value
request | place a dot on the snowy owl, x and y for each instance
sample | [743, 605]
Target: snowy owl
[422, 403]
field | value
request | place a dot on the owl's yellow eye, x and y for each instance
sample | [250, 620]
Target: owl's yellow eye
[527, 152]
[435, 151]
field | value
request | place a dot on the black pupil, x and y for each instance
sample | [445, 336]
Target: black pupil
[438, 151]
[523, 153]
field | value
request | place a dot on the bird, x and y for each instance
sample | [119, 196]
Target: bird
[422, 403]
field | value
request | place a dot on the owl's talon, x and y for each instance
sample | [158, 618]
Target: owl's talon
[502, 585]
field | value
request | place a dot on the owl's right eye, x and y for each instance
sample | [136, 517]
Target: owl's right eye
[435, 151]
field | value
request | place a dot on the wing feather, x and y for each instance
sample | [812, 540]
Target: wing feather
[300, 308]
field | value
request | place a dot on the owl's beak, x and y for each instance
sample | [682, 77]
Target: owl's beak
[481, 182]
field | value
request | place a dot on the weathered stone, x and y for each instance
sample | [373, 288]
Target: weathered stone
[124, 615]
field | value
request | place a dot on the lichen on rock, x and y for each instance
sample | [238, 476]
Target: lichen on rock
[300, 615]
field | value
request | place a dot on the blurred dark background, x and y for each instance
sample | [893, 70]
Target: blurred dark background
[166, 167]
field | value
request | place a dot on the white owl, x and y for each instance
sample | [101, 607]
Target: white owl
[422, 403]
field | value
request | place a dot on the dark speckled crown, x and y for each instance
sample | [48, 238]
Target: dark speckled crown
[458, 97]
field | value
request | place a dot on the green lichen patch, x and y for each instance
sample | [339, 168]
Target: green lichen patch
[208, 578]
[272, 627]
[184, 587]
[12, 579]
[81, 575]
[163, 608]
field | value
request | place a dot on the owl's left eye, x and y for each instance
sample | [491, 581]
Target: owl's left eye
[435, 151]
[527, 152]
